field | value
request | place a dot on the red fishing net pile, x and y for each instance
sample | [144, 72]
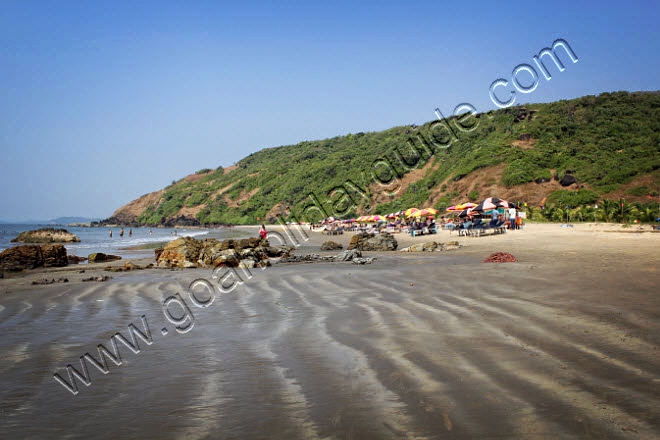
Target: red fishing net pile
[501, 257]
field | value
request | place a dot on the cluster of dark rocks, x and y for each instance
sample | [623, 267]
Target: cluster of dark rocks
[45, 281]
[352, 255]
[99, 278]
[432, 246]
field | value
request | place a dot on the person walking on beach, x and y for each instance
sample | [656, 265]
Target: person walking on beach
[110, 232]
[262, 232]
[149, 231]
[512, 217]
[121, 232]
[130, 232]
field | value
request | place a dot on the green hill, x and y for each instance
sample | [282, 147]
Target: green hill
[569, 152]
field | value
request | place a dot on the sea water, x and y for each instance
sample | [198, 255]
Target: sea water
[139, 244]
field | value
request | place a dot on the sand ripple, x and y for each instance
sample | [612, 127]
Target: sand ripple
[338, 351]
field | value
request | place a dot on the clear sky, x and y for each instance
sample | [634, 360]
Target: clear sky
[102, 102]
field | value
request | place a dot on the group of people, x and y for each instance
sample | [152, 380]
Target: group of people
[418, 224]
[130, 232]
[515, 220]
[512, 220]
[121, 232]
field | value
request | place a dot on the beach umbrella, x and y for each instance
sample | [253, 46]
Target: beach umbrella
[377, 218]
[391, 215]
[427, 211]
[466, 212]
[461, 207]
[492, 203]
[411, 212]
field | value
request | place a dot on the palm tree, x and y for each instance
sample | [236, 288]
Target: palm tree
[624, 211]
[606, 210]
[576, 214]
[647, 215]
[558, 214]
[588, 213]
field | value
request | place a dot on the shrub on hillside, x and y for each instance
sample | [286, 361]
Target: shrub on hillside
[565, 197]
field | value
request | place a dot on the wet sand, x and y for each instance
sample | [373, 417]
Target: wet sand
[563, 344]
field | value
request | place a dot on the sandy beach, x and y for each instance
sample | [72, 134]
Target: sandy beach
[563, 344]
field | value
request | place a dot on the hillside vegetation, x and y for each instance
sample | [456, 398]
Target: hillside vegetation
[571, 152]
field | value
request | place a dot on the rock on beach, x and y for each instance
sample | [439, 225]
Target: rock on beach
[431, 246]
[189, 252]
[32, 256]
[370, 242]
[100, 257]
[46, 235]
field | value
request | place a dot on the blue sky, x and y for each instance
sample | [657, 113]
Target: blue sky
[103, 102]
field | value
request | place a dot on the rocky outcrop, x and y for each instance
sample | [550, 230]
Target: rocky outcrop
[74, 259]
[127, 267]
[32, 256]
[100, 257]
[189, 252]
[331, 246]
[352, 255]
[432, 246]
[54, 255]
[182, 252]
[384, 241]
[46, 235]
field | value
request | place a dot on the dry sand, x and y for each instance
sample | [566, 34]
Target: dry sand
[563, 344]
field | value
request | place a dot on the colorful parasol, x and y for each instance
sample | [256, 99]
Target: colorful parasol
[492, 203]
[411, 212]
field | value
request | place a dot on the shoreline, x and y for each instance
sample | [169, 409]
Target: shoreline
[528, 245]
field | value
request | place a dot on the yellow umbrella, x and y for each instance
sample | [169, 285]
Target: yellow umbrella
[411, 212]
[428, 211]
